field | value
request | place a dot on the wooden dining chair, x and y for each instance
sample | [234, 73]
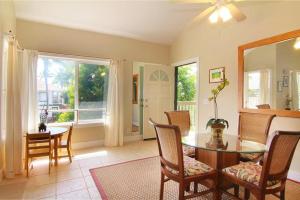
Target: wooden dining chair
[254, 127]
[177, 167]
[67, 144]
[181, 118]
[37, 145]
[271, 177]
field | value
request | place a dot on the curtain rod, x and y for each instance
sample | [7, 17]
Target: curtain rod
[12, 36]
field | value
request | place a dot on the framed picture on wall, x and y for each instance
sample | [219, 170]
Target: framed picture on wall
[216, 75]
[285, 80]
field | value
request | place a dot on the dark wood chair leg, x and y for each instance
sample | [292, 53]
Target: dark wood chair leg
[236, 189]
[247, 194]
[181, 191]
[282, 195]
[162, 184]
[69, 154]
[195, 187]
[27, 167]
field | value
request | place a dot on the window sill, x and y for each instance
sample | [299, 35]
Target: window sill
[78, 125]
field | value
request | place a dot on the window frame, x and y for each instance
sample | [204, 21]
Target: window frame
[78, 60]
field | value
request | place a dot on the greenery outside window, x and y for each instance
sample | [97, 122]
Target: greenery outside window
[71, 89]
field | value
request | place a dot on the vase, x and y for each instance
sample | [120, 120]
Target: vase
[42, 127]
[217, 130]
[216, 143]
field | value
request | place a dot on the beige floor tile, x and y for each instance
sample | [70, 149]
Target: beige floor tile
[90, 162]
[89, 182]
[39, 180]
[76, 195]
[49, 198]
[85, 171]
[12, 191]
[68, 175]
[94, 193]
[70, 186]
[39, 192]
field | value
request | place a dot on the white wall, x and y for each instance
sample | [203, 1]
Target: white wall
[60, 40]
[216, 45]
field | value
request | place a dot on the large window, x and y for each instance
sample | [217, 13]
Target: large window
[257, 88]
[72, 90]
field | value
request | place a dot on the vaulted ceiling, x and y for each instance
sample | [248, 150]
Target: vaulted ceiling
[154, 21]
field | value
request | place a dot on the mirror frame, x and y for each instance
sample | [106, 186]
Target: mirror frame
[263, 42]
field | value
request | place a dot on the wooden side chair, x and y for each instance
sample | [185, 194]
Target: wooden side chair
[177, 167]
[67, 144]
[37, 145]
[181, 118]
[271, 177]
[254, 127]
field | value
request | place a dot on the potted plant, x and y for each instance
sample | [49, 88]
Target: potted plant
[217, 125]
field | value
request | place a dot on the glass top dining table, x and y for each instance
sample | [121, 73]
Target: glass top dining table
[228, 143]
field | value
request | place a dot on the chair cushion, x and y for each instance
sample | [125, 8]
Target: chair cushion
[249, 172]
[188, 151]
[250, 156]
[192, 167]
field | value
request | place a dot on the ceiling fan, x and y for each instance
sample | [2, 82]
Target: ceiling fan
[220, 10]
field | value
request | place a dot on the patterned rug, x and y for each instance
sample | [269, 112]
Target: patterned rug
[136, 180]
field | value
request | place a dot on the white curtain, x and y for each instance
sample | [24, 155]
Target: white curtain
[114, 128]
[20, 105]
[28, 69]
[265, 90]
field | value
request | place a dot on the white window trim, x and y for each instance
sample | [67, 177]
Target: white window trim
[78, 60]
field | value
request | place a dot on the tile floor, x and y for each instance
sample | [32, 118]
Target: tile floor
[73, 181]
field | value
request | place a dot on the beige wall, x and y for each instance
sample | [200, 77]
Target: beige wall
[216, 45]
[55, 39]
[7, 23]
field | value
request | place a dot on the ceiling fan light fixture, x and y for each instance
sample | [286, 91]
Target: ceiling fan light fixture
[214, 17]
[297, 43]
[225, 14]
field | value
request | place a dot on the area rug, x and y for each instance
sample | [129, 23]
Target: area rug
[136, 180]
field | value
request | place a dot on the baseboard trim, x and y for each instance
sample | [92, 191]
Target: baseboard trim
[294, 176]
[88, 144]
[133, 138]
[100, 143]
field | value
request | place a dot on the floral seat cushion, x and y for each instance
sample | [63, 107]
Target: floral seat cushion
[192, 167]
[250, 156]
[188, 151]
[248, 171]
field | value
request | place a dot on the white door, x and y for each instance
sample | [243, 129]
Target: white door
[157, 96]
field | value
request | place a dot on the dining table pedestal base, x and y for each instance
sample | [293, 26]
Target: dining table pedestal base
[218, 160]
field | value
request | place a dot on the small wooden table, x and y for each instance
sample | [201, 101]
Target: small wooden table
[220, 153]
[56, 133]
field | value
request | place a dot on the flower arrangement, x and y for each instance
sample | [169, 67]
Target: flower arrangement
[216, 122]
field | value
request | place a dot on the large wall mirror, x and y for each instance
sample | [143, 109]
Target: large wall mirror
[269, 75]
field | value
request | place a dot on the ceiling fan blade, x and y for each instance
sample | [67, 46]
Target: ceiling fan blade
[236, 13]
[202, 15]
